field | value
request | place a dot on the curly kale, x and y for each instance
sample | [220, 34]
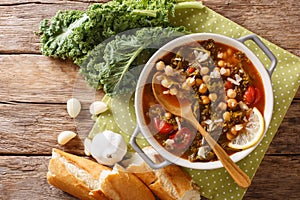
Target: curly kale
[72, 34]
[115, 65]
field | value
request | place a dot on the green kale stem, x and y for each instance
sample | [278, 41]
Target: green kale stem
[136, 54]
[150, 13]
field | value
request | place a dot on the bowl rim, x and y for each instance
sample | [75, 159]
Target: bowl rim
[269, 99]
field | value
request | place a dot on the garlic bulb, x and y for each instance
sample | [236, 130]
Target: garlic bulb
[108, 148]
[73, 107]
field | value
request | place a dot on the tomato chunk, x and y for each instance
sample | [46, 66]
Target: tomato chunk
[162, 126]
[249, 96]
[228, 85]
[183, 138]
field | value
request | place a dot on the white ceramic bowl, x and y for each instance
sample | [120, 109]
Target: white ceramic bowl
[236, 43]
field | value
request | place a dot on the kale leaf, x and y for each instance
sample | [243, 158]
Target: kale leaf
[115, 64]
[72, 34]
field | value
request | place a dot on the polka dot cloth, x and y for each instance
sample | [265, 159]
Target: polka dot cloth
[217, 184]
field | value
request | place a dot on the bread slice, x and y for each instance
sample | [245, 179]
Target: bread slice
[121, 185]
[75, 175]
[168, 183]
[86, 179]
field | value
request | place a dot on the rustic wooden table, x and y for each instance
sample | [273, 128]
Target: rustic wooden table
[34, 90]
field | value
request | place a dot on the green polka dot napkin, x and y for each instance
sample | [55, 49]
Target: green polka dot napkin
[217, 184]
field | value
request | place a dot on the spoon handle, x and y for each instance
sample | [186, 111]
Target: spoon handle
[239, 176]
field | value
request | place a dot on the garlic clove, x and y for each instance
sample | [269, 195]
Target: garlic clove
[73, 107]
[98, 107]
[108, 148]
[87, 146]
[65, 136]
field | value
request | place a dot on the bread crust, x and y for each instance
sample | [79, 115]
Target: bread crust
[125, 186]
[59, 176]
[88, 180]
[168, 183]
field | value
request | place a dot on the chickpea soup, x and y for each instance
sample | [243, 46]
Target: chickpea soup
[226, 87]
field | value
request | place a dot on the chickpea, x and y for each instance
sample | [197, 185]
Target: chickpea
[229, 51]
[226, 116]
[202, 88]
[225, 72]
[206, 78]
[213, 97]
[222, 106]
[229, 136]
[225, 56]
[204, 70]
[160, 65]
[221, 63]
[190, 81]
[232, 103]
[198, 81]
[231, 93]
[168, 115]
[205, 100]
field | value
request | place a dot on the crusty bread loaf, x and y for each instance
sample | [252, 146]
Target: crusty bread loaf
[75, 175]
[168, 183]
[86, 179]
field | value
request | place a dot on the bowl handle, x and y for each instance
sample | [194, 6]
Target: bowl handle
[144, 156]
[264, 48]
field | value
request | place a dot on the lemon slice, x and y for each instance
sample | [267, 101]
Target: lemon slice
[253, 132]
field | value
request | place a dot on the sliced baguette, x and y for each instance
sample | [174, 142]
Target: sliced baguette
[75, 175]
[86, 179]
[168, 183]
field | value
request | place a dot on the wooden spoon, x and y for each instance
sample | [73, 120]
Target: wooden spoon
[184, 109]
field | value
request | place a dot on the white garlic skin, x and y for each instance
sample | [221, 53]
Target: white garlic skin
[108, 148]
[98, 107]
[87, 146]
[73, 107]
[65, 136]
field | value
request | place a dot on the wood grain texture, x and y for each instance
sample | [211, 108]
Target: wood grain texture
[273, 21]
[25, 178]
[34, 90]
[36, 78]
[21, 175]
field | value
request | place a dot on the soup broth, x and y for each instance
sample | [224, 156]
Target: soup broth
[226, 86]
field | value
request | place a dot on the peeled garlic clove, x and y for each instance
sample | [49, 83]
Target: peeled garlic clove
[65, 136]
[108, 148]
[87, 146]
[73, 107]
[98, 107]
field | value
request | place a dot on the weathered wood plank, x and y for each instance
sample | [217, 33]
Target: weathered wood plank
[25, 177]
[33, 128]
[277, 178]
[21, 175]
[36, 78]
[273, 21]
[286, 140]
[27, 78]
[19, 21]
